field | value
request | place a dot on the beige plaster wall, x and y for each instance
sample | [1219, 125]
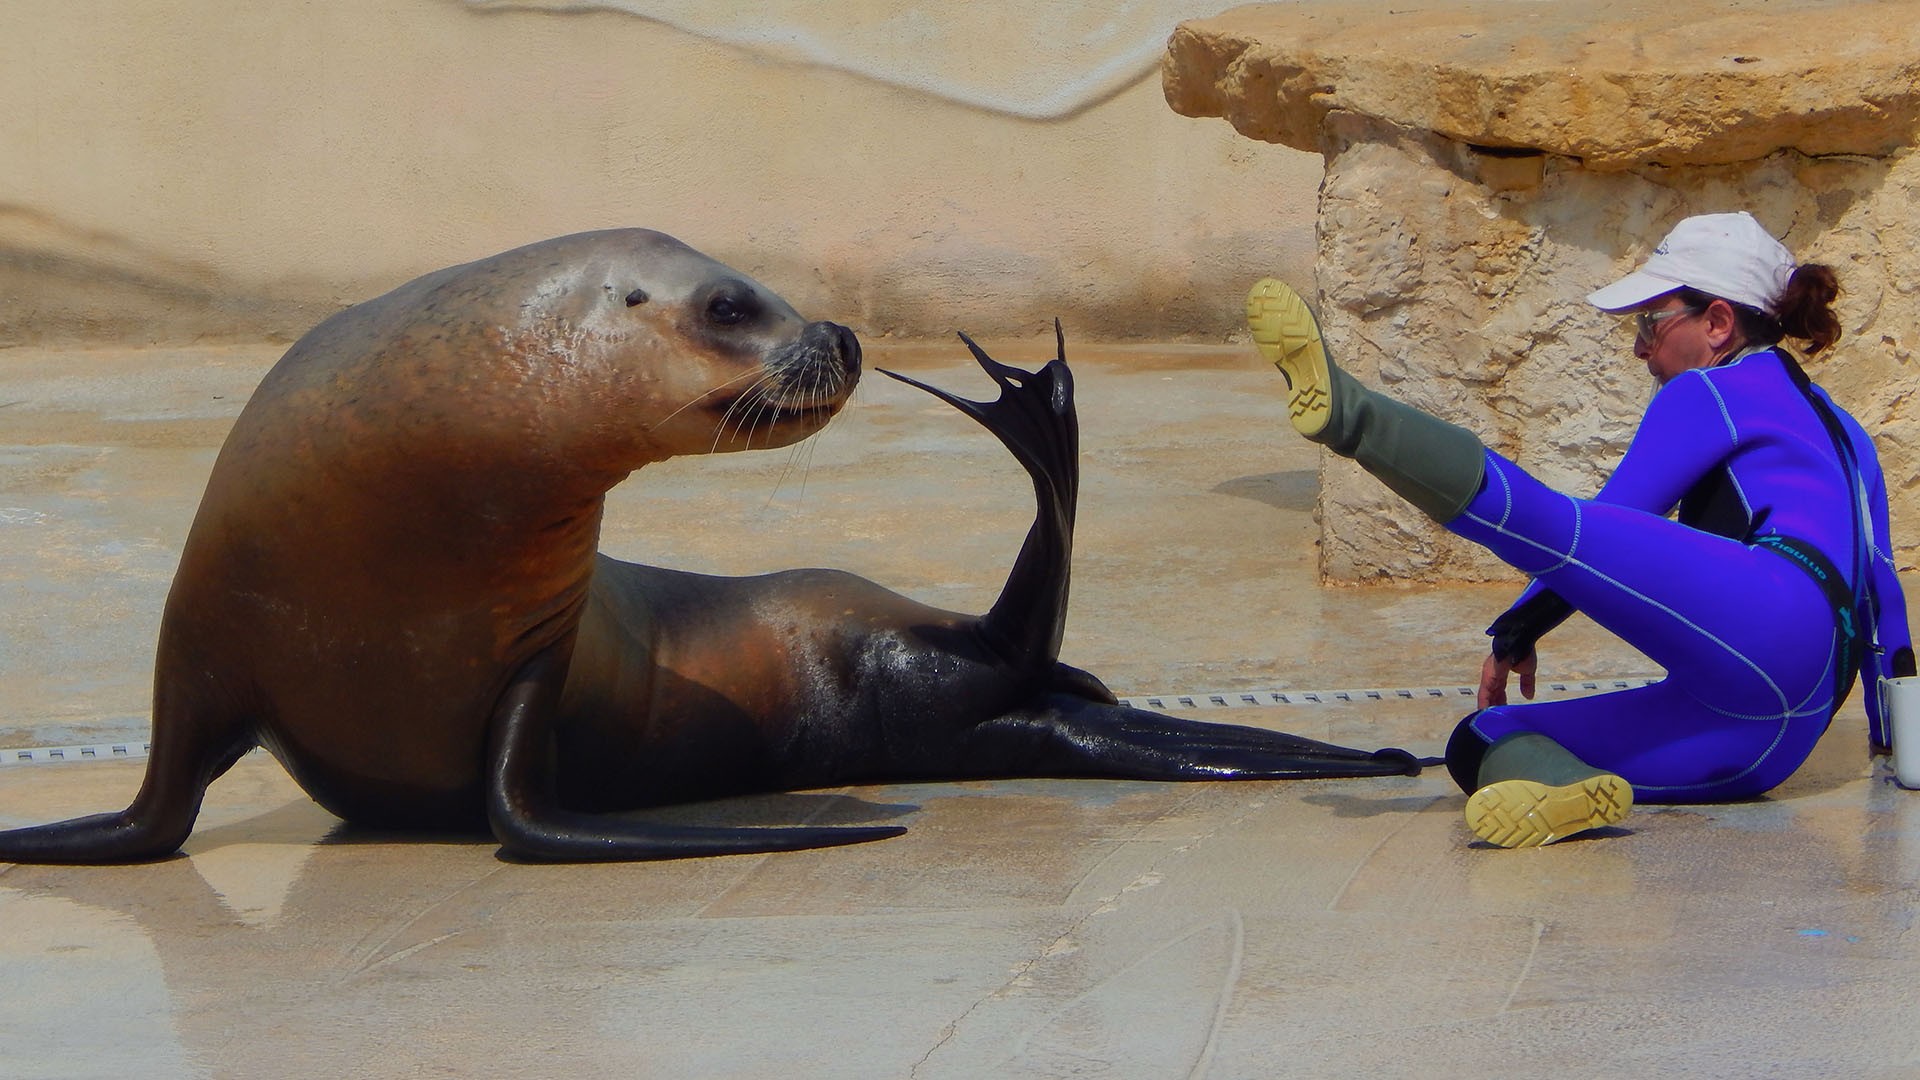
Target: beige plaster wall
[194, 169]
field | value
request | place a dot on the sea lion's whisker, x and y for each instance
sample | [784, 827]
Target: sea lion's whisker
[704, 395]
[806, 467]
[766, 409]
[752, 405]
[800, 453]
[740, 404]
[786, 470]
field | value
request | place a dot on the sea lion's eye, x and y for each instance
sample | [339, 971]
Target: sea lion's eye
[636, 297]
[726, 311]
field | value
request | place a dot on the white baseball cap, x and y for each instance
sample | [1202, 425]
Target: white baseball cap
[1726, 255]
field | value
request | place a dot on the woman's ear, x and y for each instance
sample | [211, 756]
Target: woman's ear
[1722, 325]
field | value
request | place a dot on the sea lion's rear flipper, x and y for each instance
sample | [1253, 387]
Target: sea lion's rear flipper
[528, 820]
[1071, 736]
[193, 744]
[1034, 417]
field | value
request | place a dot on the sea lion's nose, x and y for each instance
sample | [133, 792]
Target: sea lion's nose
[839, 339]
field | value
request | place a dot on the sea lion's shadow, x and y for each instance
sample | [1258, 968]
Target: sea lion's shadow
[777, 808]
[1293, 489]
[1368, 805]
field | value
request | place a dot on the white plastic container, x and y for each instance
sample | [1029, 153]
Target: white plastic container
[1903, 708]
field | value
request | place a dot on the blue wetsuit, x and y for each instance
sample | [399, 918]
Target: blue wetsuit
[1727, 599]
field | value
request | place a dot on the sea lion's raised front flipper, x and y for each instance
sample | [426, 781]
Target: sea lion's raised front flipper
[1034, 417]
[1068, 735]
[530, 823]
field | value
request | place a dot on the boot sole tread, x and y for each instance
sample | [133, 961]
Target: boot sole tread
[1287, 334]
[1525, 813]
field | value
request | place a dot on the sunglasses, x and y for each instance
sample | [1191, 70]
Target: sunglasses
[1646, 324]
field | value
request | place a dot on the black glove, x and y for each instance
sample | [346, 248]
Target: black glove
[1520, 626]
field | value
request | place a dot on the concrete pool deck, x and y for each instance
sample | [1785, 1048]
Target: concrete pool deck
[1020, 928]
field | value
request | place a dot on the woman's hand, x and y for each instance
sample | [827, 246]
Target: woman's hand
[1493, 678]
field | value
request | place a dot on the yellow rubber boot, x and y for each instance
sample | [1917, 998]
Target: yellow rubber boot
[1534, 791]
[1287, 334]
[1432, 464]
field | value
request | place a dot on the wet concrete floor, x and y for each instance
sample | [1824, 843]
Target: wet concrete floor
[1024, 928]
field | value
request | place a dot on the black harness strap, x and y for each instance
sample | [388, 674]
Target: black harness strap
[1840, 597]
[1847, 597]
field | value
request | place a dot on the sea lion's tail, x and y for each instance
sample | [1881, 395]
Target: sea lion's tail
[1034, 417]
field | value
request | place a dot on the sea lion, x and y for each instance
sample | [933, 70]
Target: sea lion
[392, 584]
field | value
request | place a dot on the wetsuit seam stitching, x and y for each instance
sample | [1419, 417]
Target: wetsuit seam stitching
[1726, 415]
[1506, 495]
[1567, 559]
[1778, 735]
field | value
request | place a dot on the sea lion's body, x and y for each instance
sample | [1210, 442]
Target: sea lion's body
[686, 686]
[392, 583]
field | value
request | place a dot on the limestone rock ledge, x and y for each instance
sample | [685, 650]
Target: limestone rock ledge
[1615, 85]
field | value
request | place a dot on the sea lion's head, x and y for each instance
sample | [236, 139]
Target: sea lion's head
[714, 361]
[549, 371]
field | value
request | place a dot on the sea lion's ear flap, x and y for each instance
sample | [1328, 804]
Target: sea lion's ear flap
[636, 297]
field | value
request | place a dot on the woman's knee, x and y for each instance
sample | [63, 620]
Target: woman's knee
[1465, 750]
